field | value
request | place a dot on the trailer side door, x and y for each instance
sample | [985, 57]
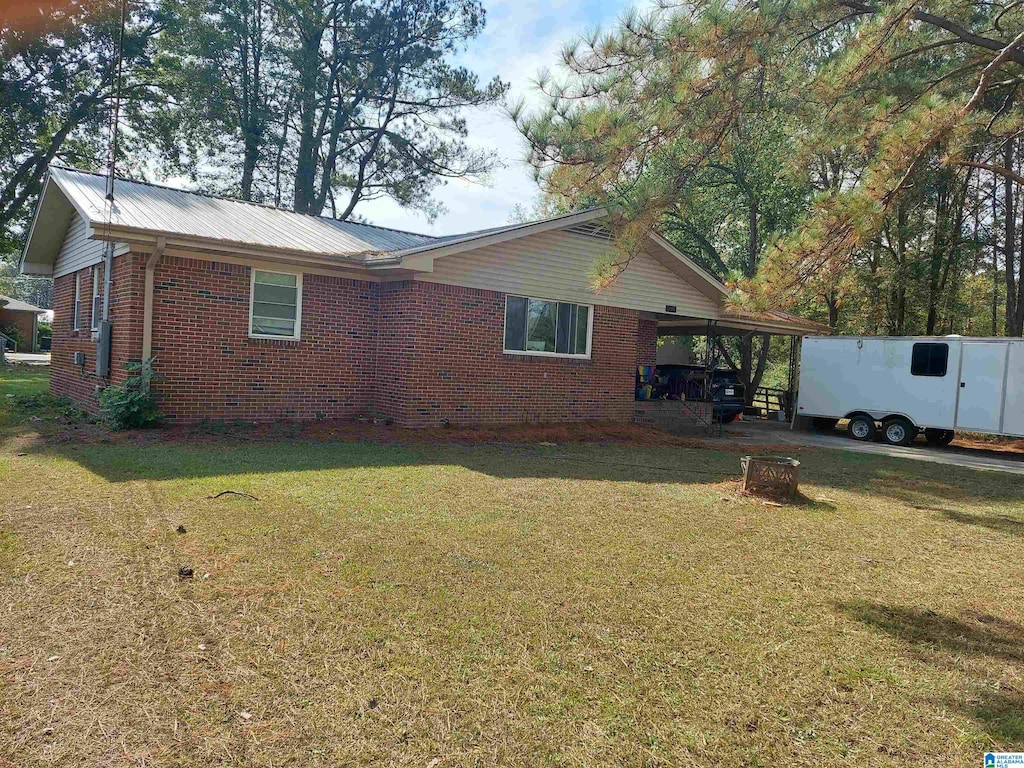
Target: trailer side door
[982, 374]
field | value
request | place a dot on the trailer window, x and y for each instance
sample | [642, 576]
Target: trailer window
[929, 359]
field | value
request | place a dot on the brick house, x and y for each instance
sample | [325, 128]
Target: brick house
[257, 313]
[19, 319]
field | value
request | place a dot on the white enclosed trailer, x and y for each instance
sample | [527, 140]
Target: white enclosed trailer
[903, 385]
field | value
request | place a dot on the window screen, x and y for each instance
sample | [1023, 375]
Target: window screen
[515, 322]
[546, 327]
[929, 359]
[97, 298]
[275, 304]
[78, 301]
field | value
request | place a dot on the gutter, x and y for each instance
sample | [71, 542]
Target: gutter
[147, 302]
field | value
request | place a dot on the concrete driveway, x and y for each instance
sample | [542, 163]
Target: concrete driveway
[773, 433]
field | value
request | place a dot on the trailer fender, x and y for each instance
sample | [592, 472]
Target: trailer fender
[879, 416]
[869, 414]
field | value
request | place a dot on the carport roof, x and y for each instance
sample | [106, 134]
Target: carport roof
[17, 305]
[738, 321]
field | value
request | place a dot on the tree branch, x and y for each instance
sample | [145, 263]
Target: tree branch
[950, 26]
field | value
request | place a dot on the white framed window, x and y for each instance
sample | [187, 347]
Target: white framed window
[275, 305]
[544, 327]
[97, 298]
[77, 318]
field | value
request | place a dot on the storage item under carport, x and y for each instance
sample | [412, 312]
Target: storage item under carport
[690, 381]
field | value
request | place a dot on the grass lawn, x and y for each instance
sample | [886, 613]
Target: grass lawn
[476, 605]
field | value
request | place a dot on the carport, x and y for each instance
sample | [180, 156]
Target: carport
[746, 325]
[21, 321]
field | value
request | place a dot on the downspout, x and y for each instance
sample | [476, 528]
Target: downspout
[147, 305]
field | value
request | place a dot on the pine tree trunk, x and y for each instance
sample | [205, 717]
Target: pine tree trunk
[1009, 245]
[306, 163]
[937, 255]
[995, 262]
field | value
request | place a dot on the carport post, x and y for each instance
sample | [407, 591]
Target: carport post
[794, 362]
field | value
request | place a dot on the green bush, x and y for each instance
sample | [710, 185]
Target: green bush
[13, 333]
[133, 404]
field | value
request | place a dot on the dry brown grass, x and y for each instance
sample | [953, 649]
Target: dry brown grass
[473, 603]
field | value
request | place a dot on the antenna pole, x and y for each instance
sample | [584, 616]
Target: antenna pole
[103, 345]
[112, 164]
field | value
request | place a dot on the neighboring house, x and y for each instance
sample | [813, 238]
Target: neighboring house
[23, 317]
[257, 313]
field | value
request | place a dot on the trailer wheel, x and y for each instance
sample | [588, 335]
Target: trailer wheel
[898, 431]
[862, 427]
[939, 437]
[824, 424]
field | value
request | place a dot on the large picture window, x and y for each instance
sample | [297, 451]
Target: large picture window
[540, 327]
[276, 305]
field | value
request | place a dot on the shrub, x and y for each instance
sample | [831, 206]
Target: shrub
[13, 333]
[71, 413]
[134, 403]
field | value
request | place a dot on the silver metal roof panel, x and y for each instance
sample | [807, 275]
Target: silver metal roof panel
[173, 211]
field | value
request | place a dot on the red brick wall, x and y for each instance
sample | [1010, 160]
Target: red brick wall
[420, 353]
[449, 344]
[79, 382]
[215, 371]
[647, 345]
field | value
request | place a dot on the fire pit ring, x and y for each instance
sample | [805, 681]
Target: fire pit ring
[777, 476]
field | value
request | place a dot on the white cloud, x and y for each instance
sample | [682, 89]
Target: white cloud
[521, 38]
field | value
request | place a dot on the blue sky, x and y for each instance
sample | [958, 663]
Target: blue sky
[521, 38]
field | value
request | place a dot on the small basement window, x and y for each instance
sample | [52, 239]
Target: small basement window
[929, 359]
[275, 306]
[541, 327]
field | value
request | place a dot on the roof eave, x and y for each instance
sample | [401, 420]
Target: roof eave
[147, 237]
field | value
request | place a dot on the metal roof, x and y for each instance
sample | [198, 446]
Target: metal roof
[773, 316]
[146, 206]
[16, 305]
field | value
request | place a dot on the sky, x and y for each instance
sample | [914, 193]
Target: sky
[522, 37]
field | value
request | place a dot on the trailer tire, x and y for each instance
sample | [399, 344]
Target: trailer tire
[824, 424]
[939, 437]
[898, 431]
[862, 427]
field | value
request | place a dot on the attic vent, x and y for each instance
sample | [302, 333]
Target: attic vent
[592, 229]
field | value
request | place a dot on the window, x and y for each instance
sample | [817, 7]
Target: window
[538, 327]
[97, 299]
[929, 359]
[275, 308]
[78, 301]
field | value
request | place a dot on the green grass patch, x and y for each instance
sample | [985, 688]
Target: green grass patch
[455, 605]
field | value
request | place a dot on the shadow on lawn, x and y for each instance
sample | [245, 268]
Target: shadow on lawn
[1000, 523]
[978, 635]
[171, 461]
[925, 486]
[944, 640]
